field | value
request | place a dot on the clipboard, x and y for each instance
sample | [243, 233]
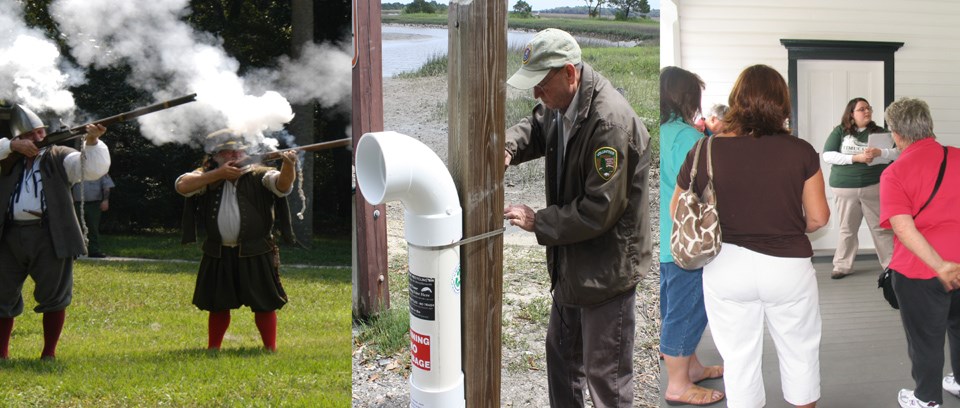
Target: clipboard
[880, 141]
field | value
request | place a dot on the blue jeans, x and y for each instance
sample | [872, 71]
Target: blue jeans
[682, 313]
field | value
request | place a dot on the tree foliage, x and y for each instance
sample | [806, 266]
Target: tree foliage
[421, 6]
[256, 33]
[625, 7]
[523, 9]
[593, 7]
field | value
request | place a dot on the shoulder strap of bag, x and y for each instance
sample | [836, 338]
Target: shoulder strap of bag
[696, 159]
[943, 168]
[710, 159]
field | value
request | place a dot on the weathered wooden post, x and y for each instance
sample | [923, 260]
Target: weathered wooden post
[302, 123]
[370, 270]
[477, 93]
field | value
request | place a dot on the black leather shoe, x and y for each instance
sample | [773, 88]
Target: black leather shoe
[97, 255]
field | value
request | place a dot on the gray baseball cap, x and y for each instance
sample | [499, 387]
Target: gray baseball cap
[550, 48]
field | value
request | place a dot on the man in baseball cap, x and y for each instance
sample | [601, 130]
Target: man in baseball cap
[596, 226]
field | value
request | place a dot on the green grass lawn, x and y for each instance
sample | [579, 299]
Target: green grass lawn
[322, 251]
[133, 338]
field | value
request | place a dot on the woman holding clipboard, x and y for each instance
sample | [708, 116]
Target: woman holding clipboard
[855, 180]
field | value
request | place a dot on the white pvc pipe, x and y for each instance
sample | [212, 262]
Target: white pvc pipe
[390, 167]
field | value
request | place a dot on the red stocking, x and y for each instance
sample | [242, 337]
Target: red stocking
[6, 327]
[52, 327]
[216, 328]
[267, 324]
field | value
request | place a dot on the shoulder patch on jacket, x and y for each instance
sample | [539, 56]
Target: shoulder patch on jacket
[605, 160]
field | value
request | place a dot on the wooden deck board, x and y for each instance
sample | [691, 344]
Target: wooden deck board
[863, 351]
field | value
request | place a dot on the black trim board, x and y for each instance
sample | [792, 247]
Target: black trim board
[838, 50]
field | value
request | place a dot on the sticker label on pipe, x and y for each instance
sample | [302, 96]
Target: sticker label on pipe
[422, 297]
[420, 350]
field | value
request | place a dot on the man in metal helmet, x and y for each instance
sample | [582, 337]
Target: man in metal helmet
[39, 232]
[240, 265]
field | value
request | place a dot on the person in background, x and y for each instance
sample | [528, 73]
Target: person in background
[714, 119]
[237, 204]
[770, 194]
[682, 314]
[856, 184]
[926, 272]
[596, 225]
[94, 201]
[40, 233]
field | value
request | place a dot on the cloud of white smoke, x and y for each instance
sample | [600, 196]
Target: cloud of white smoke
[31, 70]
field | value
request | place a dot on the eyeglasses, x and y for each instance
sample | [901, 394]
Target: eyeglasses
[864, 109]
[546, 80]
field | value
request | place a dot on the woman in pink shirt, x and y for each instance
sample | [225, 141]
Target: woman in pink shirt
[926, 225]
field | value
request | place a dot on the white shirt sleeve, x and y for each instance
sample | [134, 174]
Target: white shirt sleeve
[97, 163]
[837, 158]
[194, 192]
[4, 148]
[270, 182]
[890, 154]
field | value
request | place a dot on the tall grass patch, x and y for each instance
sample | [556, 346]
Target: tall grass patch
[133, 338]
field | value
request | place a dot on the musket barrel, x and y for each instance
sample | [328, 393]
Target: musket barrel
[309, 148]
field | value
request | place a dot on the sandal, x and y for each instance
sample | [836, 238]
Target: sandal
[710, 373]
[698, 396]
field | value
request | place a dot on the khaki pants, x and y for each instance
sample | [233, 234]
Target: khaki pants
[854, 205]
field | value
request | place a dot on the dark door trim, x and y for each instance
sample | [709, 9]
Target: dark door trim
[839, 50]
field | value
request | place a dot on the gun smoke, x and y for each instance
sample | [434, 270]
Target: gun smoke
[168, 58]
[31, 70]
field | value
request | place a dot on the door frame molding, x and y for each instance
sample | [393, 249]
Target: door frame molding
[838, 50]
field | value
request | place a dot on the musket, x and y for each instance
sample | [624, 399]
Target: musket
[276, 154]
[72, 133]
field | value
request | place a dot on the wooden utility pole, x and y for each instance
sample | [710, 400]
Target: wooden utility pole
[302, 124]
[370, 268]
[477, 98]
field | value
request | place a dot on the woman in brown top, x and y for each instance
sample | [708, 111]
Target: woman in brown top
[770, 193]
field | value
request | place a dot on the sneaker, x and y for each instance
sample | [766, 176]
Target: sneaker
[950, 385]
[908, 400]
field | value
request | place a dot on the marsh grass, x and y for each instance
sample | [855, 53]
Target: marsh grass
[133, 338]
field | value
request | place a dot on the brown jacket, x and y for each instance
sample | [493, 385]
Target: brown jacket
[61, 219]
[597, 226]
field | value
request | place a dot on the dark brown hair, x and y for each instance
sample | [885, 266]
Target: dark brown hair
[680, 92]
[849, 125]
[759, 103]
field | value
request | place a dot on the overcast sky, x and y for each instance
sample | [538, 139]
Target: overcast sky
[544, 4]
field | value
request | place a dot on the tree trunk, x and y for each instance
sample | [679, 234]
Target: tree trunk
[302, 124]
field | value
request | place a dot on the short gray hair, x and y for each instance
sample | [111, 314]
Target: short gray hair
[910, 118]
[718, 110]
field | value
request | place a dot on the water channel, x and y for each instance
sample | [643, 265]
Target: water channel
[406, 48]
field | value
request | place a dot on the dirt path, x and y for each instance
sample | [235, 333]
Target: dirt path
[414, 107]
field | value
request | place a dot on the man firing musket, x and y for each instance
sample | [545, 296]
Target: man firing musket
[39, 232]
[40, 235]
[235, 202]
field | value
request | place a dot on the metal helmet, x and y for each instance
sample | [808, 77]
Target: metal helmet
[225, 139]
[23, 120]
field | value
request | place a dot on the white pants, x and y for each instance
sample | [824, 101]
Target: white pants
[741, 290]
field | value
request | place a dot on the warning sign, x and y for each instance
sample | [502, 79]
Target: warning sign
[422, 297]
[420, 350]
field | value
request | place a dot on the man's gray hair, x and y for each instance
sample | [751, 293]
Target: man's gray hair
[718, 110]
[910, 118]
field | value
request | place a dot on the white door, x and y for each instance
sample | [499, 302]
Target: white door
[823, 90]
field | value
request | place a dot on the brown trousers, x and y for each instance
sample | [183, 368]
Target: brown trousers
[592, 346]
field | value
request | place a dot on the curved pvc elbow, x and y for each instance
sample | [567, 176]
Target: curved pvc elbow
[392, 166]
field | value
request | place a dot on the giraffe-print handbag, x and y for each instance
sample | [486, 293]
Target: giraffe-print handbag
[695, 239]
